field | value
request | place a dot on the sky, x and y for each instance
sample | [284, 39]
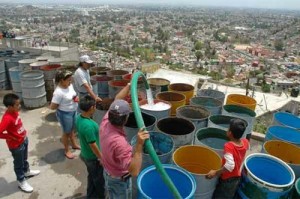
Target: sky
[272, 4]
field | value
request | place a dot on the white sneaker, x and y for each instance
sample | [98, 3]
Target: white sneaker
[32, 173]
[24, 186]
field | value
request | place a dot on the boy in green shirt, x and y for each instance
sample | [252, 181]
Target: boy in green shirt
[90, 149]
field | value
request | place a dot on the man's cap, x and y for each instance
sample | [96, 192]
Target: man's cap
[86, 59]
[121, 107]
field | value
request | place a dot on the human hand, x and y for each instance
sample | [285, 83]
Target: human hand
[76, 98]
[142, 136]
[98, 99]
[211, 174]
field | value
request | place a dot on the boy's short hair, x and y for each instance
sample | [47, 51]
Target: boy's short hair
[10, 99]
[86, 102]
[237, 128]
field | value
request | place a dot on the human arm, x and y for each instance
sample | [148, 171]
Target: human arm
[3, 127]
[53, 106]
[124, 92]
[136, 161]
[228, 166]
[96, 150]
[56, 100]
[91, 93]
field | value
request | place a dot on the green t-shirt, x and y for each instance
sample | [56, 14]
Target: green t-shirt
[88, 131]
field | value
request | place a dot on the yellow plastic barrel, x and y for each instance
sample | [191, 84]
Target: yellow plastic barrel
[161, 83]
[287, 152]
[176, 100]
[185, 89]
[199, 160]
[241, 100]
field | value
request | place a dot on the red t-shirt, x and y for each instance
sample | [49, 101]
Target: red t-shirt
[238, 153]
[12, 124]
[116, 151]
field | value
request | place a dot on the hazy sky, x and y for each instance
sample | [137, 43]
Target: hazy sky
[284, 4]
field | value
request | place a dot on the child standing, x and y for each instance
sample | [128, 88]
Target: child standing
[90, 148]
[234, 154]
[16, 140]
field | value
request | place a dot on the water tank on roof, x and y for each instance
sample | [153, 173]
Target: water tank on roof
[295, 92]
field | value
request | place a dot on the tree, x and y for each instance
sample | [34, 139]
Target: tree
[278, 44]
[198, 45]
[198, 55]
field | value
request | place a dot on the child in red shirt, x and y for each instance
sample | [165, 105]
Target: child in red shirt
[12, 130]
[234, 154]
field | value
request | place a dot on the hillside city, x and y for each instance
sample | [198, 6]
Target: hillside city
[232, 81]
[229, 45]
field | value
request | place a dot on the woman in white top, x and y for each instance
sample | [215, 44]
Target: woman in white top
[65, 102]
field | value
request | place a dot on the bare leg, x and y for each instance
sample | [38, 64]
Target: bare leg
[73, 141]
[65, 141]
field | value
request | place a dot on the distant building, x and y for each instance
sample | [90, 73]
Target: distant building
[150, 67]
[34, 44]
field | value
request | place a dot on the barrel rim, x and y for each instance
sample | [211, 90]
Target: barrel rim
[169, 166]
[226, 116]
[196, 107]
[196, 146]
[220, 103]
[271, 157]
[283, 127]
[160, 79]
[173, 92]
[155, 119]
[154, 132]
[297, 185]
[39, 74]
[253, 101]
[172, 117]
[285, 113]
[243, 108]
[286, 143]
[145, 101]
[191, 87]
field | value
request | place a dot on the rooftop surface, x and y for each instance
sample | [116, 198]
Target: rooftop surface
[60, 177]
[265, 101]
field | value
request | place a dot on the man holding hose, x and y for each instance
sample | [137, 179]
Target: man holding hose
[119, 159]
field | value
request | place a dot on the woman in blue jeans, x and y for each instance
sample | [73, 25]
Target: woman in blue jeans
[65, 102]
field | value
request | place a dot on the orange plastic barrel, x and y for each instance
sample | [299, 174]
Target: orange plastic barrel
[199, 160]
[176, 100]
[241, 100]
[185, 89]
[287, 152]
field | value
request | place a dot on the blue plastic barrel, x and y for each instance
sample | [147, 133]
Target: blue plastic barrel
[151, 185]
[286, 119]
[283, 133]
[265, 176]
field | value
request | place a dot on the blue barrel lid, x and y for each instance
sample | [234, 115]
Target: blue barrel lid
[285, 133]
[287, 119]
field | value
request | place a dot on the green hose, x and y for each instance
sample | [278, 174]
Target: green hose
[141, 125]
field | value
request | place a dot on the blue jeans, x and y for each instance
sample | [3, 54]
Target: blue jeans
[117, 188]
[20, 156]
[95, 180]
[66, 120]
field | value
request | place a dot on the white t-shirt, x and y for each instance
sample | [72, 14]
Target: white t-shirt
[81, 77]
[64, 98]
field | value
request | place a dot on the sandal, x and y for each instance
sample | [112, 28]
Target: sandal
[76, 147]
[70, 155]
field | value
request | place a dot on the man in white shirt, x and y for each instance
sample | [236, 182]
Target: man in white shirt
[82, 79]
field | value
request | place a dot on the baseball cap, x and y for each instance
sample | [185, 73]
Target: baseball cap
[120, 106]
[86, 59]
